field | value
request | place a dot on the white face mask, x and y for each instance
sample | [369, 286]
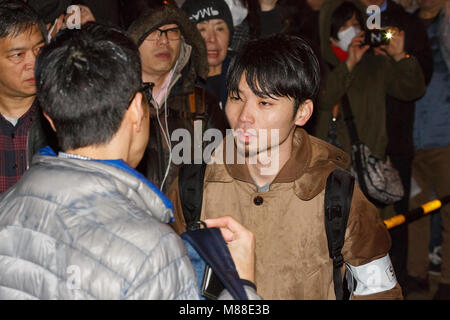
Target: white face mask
[345, 37]
[238, 12]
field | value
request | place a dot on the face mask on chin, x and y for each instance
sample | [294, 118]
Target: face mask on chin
[345, 37]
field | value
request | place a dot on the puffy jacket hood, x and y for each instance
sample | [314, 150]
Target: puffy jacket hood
[326, 11]
[150, 20]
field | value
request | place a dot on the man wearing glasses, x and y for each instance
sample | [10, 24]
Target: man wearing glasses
[173, 57]
[160, 51]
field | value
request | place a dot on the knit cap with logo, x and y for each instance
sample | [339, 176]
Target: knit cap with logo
[203, 10]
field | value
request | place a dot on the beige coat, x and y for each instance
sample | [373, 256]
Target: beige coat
[292, 260]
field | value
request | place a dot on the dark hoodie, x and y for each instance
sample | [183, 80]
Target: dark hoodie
[191, 71]
[152, 19]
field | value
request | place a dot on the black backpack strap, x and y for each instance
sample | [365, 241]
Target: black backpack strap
[190, 186]
[356, 144]
[207, 242]
[338, 198]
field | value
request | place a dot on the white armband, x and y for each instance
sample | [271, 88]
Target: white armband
[373, 277]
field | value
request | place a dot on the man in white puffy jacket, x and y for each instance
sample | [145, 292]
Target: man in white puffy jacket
[83, 224]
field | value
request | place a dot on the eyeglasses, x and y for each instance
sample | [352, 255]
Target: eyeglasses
[146, 88]
[171, 34]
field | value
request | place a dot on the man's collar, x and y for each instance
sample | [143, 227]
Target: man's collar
[30, 114]
[176, 72]
[31, 110]
[161, 208]
[65, 155]
[293, 168]
[311, 161]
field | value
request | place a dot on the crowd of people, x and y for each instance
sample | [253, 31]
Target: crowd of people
[95, 93]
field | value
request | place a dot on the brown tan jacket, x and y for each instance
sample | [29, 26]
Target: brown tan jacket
[292, 260]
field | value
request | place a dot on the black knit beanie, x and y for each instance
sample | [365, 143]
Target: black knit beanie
[202, 10]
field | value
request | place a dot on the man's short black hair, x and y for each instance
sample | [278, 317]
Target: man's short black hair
[85, 80]
[17, 17]
[278, 66]
[342, 14]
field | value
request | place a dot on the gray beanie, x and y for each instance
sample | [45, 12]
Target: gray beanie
[202, 10]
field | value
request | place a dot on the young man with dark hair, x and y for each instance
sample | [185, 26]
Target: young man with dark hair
[272, 86]
[23, 130]
[84, 224]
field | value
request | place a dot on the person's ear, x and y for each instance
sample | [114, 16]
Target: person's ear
[304, 113]
[136, 111]
[50, 121]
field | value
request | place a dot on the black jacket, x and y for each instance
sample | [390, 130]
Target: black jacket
[190, 74]
[400, 114]
[40, 135]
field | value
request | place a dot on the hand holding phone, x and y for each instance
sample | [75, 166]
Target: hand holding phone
[241, 243]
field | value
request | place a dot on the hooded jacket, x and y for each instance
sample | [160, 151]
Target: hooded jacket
[367, 86]
[190, 72]
[292, 258]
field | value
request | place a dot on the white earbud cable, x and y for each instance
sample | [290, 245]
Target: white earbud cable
[166, 132]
